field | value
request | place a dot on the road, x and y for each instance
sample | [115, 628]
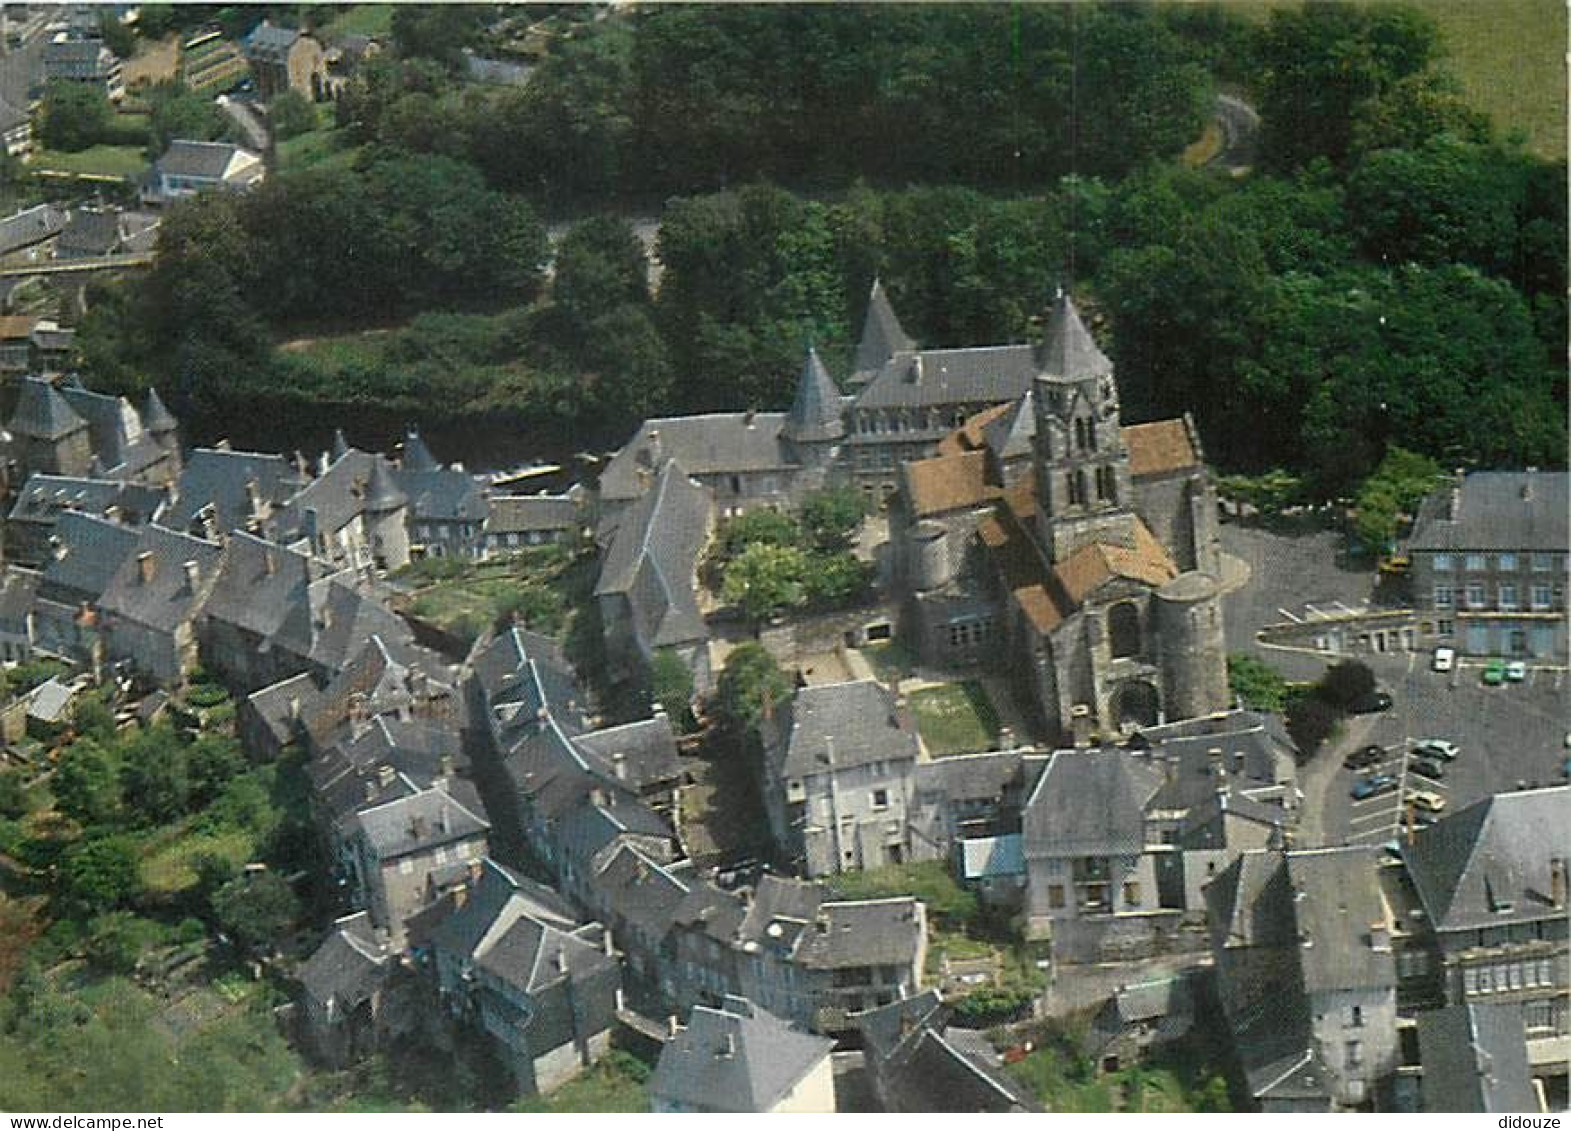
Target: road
[247, 117]
[1240, 134]
[22, 69]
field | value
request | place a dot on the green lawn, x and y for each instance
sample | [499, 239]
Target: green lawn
[123, 161]
[1508, 54]
[889, 661]
[956, 718]
[615, 1084]
[466, 598]
[375, 20]
[324, 148]
[170, 864]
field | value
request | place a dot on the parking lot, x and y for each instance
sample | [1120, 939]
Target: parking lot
[1509, 737]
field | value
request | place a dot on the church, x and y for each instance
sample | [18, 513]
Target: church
[1080, 553]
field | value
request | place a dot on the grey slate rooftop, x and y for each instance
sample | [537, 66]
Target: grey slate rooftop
[1090, 803]
[737, 1058]
[206, 160]
[837, 726]
[41, 412]
[1475, 1059]
[418, 822]
[882, 335]
[1498, 510]
[653, 559]
[712, 443]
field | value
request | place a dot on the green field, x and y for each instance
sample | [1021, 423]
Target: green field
[375, 20]
[123, 161]
[323, 148]
[956, 718]
[1508, 54]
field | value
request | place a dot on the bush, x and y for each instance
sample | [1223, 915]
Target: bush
[291, 114]
[117, 940]
[1258, 685]
[1346, 684]
[992, 1005]
[256, 909]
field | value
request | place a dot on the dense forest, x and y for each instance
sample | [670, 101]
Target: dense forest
[1390, 273]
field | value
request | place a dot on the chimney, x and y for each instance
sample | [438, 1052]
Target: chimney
[146, 566]
[728, 1046]
[58, 549]
[416, 827]
[444, 820]
[597, 796]
[384, 775]
[1527, 484]
[370, 790]
[1379, 938]
[747, 418]
[253, 495]
[619, 765]
[294, 707]
[193, 575]
[1455, 513]
[112, 513]
[1080, 725]
[446, 767]
[605, 944]
[269, 563]
[1557, 881]
[671, 1025]
[224, 445]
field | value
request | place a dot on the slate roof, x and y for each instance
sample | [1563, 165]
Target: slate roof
[1012, 433]
[79, 51]
[259, 584]
[1489, 863]
[88, 556]
[113, 425]
[817, 412]
[44, 496]
[717, 443]
[443, 494]
[530, 955]
[1494, 514]
[935, 378]
[416, 455]
[1090, 803]
[987, 856]
[155, 417]
[270, 42]
[498, 899]
[18, 588]
[207, 160]
[653, 560]
[1069, 353]
[1475, 1059]
[102, 231]
[526, 513]
[882, 335]
[925, 1066]
[645, 751]
[1250, 759]
[275, 705]
[738, 1058]
[30, 226]
[342, 492]
[167, 599]
[639, 890]
[219, 477]
[838, 726]
[348, 966]
[971, 777]
[49, 699]
[869, 932]
[1338, 898]
[417, 823]
[42, 413]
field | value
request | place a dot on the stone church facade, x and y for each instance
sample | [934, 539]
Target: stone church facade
[1080, 554]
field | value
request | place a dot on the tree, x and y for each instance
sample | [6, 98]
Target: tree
[118, 37]
[256, 909]
[671, 681]
[99, 874]
[291, 114]
[212, 761]
[176, 111]
[750, 686]
[438, 32]
[1415, 110]
[1392, 491]
[157, 776]
[764, 580]
[600, 267]
[1344, 685]
[87, 785]
[73, 115]
[1310, 721]
[761, 527]
[117, 940]
[14, 801]
[832, 517]
[1256, 684]
[93, 718]
[836, 580]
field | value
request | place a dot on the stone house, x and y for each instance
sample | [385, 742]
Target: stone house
[1305, 971]
[30, 527]
[149, 610]
[741, 1058]
[544, 988]
[80, 59]
[517, 522]
[353, 515]
[190, 167]
[839, 779]
[918, 1063]
[1488, 564]
[347, 1008]
[283, 59]
[68, 431]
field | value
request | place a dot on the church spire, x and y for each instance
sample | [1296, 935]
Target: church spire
[815, 414]
[882, 334]
[1068, 352]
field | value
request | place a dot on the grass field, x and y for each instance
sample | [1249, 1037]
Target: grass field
[323, 148]
[615, 1084]
[1508, 54]
[535, 586]
[956, 718]
[170, 865]
[123, 161]
[375, 20]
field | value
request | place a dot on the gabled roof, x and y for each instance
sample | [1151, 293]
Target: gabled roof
[529, 513]
[830, 727]
[926, 1066]
[1490, 863]
[865, 932]
[882, 334]
[417, 823]
[1093, 565]
[718, 443]
[114, 426]
[1498, 510]
[1011, 434]
[42, 413]
[442, 494]
[88, 556]
[1068, 352]
[1475, 1058]
[348, 966]
[43, 497]
[816, 413]
[30, 226]
[639, 753]
[738, 1058]
[206, 160]
[223, 479]
[946, 483]
[1337, 901]
[952, 377]
[1160, 447]
[163, 582]
[653, 559]
[1090, 803]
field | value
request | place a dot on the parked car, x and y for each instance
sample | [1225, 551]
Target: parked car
[1445, 659]
[1372, 703]
[1425, 801]
[1365, 758]
[1423, 818]
[1373, 785]
[1427, 768]
[1494, 673]
[1516, 671]
[1436, 748]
